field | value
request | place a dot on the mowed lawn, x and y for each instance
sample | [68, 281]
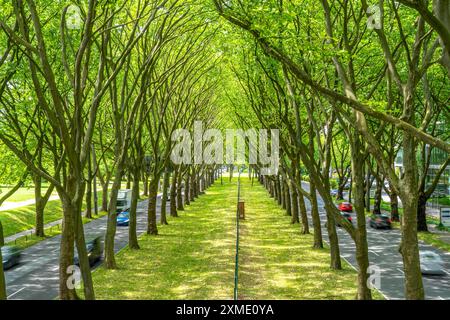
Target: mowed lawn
[193, 256]
[277, 262]
[24, 218]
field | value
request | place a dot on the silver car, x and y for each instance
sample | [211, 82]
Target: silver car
[431, 263]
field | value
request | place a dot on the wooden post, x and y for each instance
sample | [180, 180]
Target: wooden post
[241, 209]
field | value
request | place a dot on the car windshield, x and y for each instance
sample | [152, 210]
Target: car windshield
[123, 215]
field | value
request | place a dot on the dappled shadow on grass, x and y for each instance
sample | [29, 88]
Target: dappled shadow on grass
[24, 218]
[192, 258]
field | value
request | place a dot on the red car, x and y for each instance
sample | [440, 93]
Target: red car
[345, 207]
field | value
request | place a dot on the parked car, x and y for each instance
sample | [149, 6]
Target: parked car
[380, 221]
[10, 256]
[123, 218]
[345, 207]
[94, 249]
[431, 263]
[334, 192]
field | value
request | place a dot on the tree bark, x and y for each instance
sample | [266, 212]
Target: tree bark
[303, 214]
[318, 243]
[287, 200]
[187, 189]
[152, 227]
[409, 247]
[39, 225]
[2, 274]
[180, 192]
[173, 194]
[294, 198]
[422, 212]
[163, 216]
[362, 250]
[377, 197]
[105, 196]
[395, 216]
[66, 252]
[132, 235]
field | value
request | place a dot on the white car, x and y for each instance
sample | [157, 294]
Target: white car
[431, 263]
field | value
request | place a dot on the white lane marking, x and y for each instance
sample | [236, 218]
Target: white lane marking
[15, 292]
[374, 253]
[400, 270]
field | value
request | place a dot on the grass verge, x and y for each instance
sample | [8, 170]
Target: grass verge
[191, 258]
[30, 240]
[280, 263]
[434, 239]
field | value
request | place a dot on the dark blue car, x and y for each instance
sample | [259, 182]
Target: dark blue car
[123, 218]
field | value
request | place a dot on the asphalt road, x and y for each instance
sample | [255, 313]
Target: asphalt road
[383, 253]
[37, 277]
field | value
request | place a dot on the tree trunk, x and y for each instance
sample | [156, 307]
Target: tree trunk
[66, 253]
[39, 225]
[362, 250]
[187, 189]
[193, 187]
[132, 235]
[318, 243]
[278, 189]
[88, 213]
[287, 200]
[110, 260]
[180, 192]
[128, 180]
[152, 228]
[294, 199]
[395, 216]
[340, 191]
[173, 195]
[377, 197]
[83, 257]
[105, 196]
[422, 212]
[409, 247]
[2, 274]
[145, 185]
[303, 214]
[368, 187]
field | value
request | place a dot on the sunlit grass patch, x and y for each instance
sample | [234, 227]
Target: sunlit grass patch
[193, 256]
[277, 262]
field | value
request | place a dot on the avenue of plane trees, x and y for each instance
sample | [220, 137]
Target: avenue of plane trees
[91, 91]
